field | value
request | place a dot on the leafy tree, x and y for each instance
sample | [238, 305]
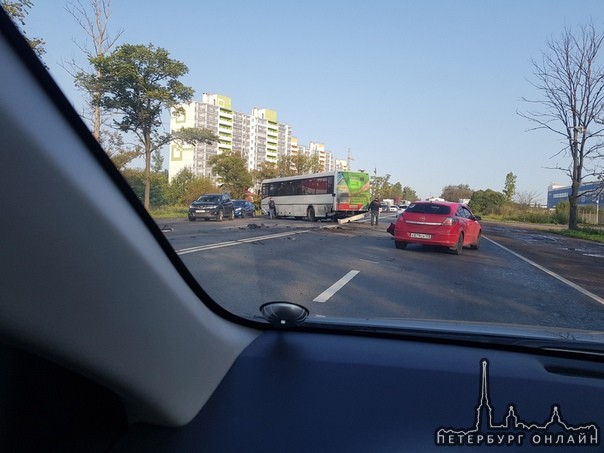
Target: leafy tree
[267, 170]
[409, 194]
[456, 193]
[193, 135]
[572, 87]
[232, 173]
[157, 161]
[298, 164]
[197, 187]
[562, 212]
[486, 201]
[17, 10]
[396, 191]
[113, 144]
[137, 83]
[186, 187]
[179, 185]
[380, 186]
[509, 189]
[159, 188]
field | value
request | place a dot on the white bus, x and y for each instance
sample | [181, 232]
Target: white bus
[317, 196]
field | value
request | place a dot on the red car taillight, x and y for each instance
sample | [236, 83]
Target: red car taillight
[449, 221]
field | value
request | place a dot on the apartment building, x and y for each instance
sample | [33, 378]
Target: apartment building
[258, 137]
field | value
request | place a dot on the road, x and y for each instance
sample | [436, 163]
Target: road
[518, 276]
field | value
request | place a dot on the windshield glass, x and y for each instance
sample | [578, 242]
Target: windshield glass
[327, 116]
[209, 199]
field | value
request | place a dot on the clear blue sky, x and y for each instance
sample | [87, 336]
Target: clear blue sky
[426, 91]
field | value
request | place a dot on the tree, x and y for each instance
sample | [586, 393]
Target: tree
[486, 201]
[137, 83]
[396, 191]
[526, 198]
[298, 164]
[572, 88]
[266, 170]
[509, 188]
[193, 135]
[380, 185]
[232, 173]
[197, 187]
[95, 26]
[179, 185]
[17, 10]
[456, 193]
[186, 187]
[136, 178]
[409, 194]
[113, 144]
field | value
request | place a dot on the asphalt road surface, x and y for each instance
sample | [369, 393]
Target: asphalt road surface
[518, 276]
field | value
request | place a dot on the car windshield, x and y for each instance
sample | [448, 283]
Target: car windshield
[313, 110]
[209, 199]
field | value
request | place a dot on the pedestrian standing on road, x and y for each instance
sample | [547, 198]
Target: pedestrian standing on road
[272, 211]
[374, 209]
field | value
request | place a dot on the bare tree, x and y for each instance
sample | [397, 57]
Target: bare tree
[572, 86]
[94, 22]
[526, 198]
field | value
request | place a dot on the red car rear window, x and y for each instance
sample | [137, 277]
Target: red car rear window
[429, 208]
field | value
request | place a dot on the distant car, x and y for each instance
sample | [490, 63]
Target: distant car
[444, 224]
[400, 209]
[212, 206]
[384, 208]
[393, 208]
[244, 208]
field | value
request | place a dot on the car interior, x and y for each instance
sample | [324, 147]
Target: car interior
[107, 343]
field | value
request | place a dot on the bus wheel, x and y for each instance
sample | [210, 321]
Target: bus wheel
[310, 213]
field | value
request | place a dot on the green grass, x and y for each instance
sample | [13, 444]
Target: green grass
[587, 233]
[169, 212]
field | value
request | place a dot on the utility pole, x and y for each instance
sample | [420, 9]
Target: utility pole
[350, 159]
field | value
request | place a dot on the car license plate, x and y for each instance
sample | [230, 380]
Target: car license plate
[201, 211]
[421, 236]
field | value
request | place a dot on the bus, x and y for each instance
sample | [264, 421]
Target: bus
[330, 195]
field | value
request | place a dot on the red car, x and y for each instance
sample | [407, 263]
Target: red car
[439, 223]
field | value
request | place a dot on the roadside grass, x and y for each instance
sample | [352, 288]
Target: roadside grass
[587, 233]
[169, 212]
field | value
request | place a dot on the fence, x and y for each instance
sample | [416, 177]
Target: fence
[591, 216]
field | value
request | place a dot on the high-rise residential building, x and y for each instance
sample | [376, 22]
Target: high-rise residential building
[213, 113]
[258, 137]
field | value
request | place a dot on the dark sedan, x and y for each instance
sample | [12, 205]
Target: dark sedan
[244, 208]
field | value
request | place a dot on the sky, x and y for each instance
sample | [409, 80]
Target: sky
[427, 92]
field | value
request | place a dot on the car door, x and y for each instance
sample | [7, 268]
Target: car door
[471, 227]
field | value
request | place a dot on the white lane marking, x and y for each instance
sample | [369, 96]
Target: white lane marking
[369, 261]
[552, 274]
[201, 248]
[325, 295]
